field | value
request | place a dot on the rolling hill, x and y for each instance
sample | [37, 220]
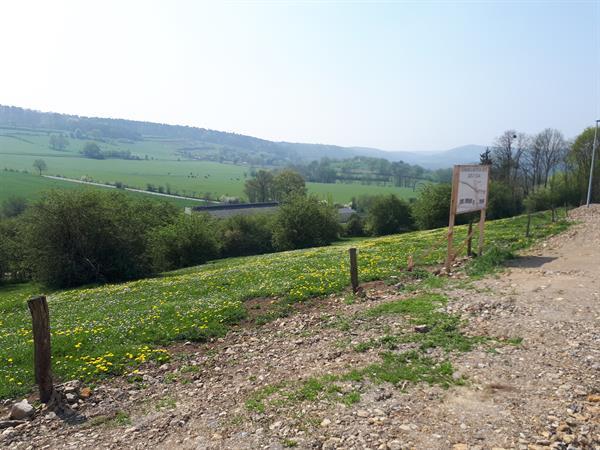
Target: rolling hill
[204, 144]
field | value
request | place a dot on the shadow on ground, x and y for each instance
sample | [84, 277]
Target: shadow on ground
[530, 262]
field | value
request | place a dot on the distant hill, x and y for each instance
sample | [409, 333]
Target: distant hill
[202, 143]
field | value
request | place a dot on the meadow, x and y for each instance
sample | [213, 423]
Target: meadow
[19, 149]
[112, 329]
[32, 187]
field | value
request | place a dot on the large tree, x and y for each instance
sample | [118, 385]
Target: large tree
[260, 188]
[286, 183]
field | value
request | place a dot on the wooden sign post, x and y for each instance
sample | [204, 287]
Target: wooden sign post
[469, 193]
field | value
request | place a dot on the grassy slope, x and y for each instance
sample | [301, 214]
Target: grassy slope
[32, 187]
[21, 149]
[109, 329]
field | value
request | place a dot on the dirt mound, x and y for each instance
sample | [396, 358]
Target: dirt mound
[584, 212]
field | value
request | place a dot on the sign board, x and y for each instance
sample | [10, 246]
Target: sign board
[472, 188]
[469, 193]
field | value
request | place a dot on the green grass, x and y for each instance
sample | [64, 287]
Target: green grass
[111, 329]
[423, 309]
[18, 150]
[32, 187]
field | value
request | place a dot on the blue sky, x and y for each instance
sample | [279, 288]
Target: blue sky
[392, 75]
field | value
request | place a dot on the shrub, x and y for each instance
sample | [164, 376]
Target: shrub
[80, 237]
[13, 206]
[502, 202]
[188, 241]
[304, 222]
[389, 215]
[247, 235]
[432, 208]
[12, 264]
[355, 227]
[540, 200]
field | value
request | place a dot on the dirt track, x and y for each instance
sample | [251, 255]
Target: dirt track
[543, 393]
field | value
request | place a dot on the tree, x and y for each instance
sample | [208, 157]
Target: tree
[58, 142]
[92, 150]
[546, 152]
[432, 208]
[304, 222]
[485, 158]
[260, 188]
[580, 157]
[286, 183]
[78, 237]
[389, 215]
[506, 156]
[40, 165]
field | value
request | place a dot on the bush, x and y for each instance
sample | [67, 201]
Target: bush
[389, 215]
[540, 200]
[188, 241]
[12, 264]
[80, 237]
[247, 235]
[13, 206]
[304, 222]
[502, 202]
[432, 208]
[355, 227]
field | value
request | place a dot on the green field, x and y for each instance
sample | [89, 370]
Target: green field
[19, 149]
[32, 187]
[111, 329]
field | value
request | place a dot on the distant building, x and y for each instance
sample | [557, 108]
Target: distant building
[224, 211]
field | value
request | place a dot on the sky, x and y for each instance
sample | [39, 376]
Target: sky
[390, 75]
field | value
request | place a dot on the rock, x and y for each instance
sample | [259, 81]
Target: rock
[21, 410]
[394, 445]
[460, 447]
[325, 422]
[275, 425]
[10, 423]
[71, 398]
[422, 329]
[85, 392]
[362, 413]
[593, 398]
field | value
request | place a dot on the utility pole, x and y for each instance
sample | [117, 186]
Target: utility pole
[589, 193]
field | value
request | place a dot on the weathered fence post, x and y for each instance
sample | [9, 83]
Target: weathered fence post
[353, 270]
[528, 224]
[41, 341]
[470, 239]
[566, 211]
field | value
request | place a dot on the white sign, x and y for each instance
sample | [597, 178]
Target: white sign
[472, 188]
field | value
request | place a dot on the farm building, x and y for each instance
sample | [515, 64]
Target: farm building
[227, 210]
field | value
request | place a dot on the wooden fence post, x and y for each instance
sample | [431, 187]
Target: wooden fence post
[528, 224]
[41, 341]
[353, 270]
[470, 240]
